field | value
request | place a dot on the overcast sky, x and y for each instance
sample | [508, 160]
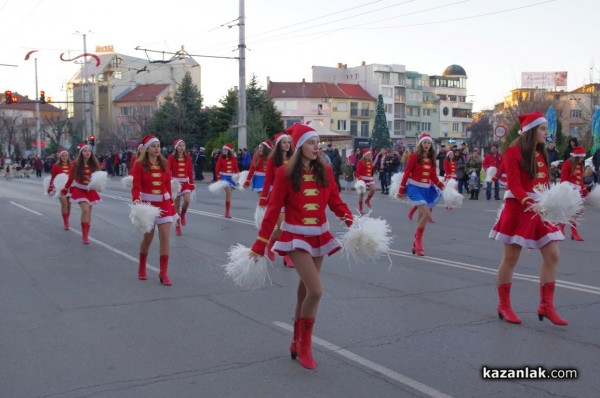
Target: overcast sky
[493, 40]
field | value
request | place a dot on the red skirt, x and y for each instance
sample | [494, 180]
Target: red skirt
[83, 195]
[315, 245]
[185, 187]
[525, 229]
[167, 214]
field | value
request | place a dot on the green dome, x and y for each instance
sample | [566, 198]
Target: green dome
[455, 70]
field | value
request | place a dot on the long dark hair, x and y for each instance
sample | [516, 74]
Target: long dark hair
[574, 163]
[279, 157]
[421, 153]
[80, 165]
[294, 171]
[162, 162]
[227, 155]
[527, 144]
[266, 151]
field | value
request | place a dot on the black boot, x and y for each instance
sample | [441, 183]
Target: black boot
[477, 195]
[472, 194]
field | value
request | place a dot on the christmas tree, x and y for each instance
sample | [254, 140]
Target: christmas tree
[381, 133]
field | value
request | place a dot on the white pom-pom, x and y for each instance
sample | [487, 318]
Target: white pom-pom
[593, 198]
[243, 176]
[395, 186]
[60, 181]
[451, 195]
[127, 182]
[46, 183]
[367, 238]
[560, 204]
[218, 187]
[142, 216]
[259, 214]
[98, 180]
[360, 186]
[175, 187]
[245, 271]
[490, 173]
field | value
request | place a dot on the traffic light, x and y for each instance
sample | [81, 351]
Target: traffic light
[8, 96]
[92, 140]
[42, 97]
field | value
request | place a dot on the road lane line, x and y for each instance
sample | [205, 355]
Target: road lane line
[117, 251]
[25, 208]
[400, 378]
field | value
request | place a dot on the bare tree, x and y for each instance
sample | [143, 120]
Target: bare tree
[527, 101]
[9, 126]
[58, 130]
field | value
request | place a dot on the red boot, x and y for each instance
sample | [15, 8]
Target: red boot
[546, 308]
[65, 217]
[164, 266]
[505, 310]
[85, 230]
[287, 261]
[270, 253]
[418, 242]
[368, 201]
[411, 213]
[178, 228]
[183, 211]
[227, 208]
[142, 267]
[304, 345]
[575, 234]
[293, 350]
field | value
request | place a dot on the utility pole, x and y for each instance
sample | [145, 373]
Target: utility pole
[88, 130]
[37, 115]
[242, 136]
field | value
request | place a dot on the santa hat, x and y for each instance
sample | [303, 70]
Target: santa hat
[423, 137]
[81, 146]
[281, 136]
[301, 133]
[364, 151]
[449, 152]
[61, 151]
[228, 147]
[149, 140]
[530, 120]
[268, 144]
[578, 152]
[176, 142]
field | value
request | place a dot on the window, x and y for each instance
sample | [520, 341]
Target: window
[342, 106]
[575, 112]
[445, 111]
[456, 112]
[354, 128]
[426, 126]
[388, 108]
[118, 75]
[455, 127]
[341, 125]
[387, 91]
[127, 111]
[426, 112]
[364, 129]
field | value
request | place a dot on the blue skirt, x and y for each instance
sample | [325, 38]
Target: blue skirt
[257, 183]
[423, 196]
[229, 179]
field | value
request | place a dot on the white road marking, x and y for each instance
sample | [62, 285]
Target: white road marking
[25, 208]
[400, 378]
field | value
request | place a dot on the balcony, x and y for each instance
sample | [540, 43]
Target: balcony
[361, 113]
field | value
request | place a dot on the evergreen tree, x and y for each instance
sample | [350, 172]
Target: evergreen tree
[381, 133]
[255, 129]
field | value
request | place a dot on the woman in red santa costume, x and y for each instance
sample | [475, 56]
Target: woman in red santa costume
[182, 170]
[450, 165]
[518, 227]
[280, 156]
[226, 167]
[152, 184]
[78, 185]
[62, 166]
[364, 172]
[305, 188]
[419, 183]
[572, 172]
[258, 167]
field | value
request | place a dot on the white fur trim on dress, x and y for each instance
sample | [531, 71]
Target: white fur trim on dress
[98, 181]
[300, 244]
[143, 216]
[527, 243]
[367, 238]
[560, 204]
[127, 182]
[245, 271]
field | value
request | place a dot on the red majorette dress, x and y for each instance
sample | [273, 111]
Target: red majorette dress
[420, 182]
[56, 170]
[576, 179]
[449, 169]
[80, 189]
[154, 187]
[269, 181]
[257, 174]
[225, 170]
[364, 172]
[182, 171]
[305, 227]
[516, 225]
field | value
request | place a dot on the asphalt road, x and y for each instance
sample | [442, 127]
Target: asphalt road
[76, 322]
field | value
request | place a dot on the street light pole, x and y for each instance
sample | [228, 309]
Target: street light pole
[86, 117]
[37, 115]
[242, 137]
